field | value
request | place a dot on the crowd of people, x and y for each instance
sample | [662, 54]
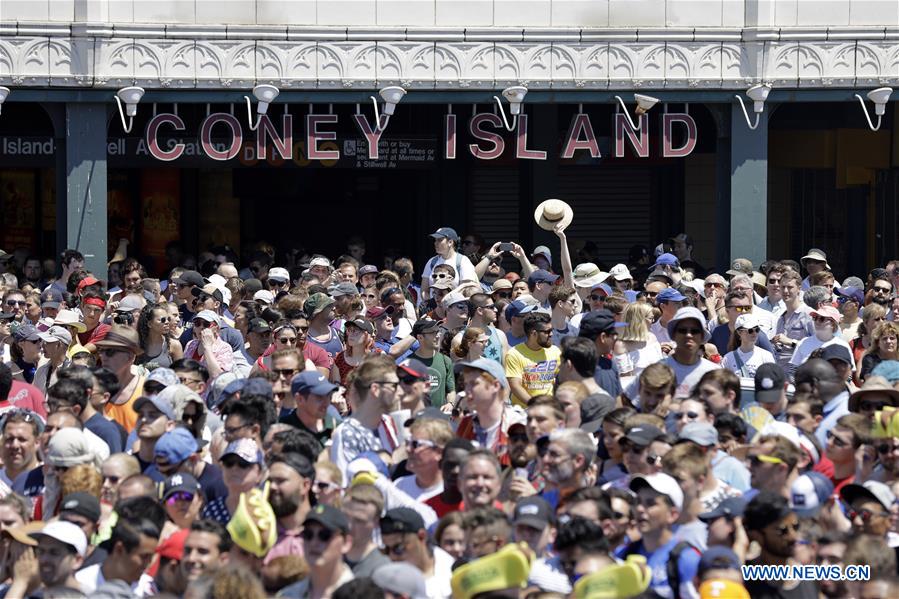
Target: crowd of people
[504, 424]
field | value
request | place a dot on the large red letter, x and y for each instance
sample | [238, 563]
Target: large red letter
[153, 141]
[623, 127]
[313, 136]
[236, 136]
[284, 145]
[474, 128]
[449, 128]
[668, 121]
[581, 125]
[373, 137]
[521, 145]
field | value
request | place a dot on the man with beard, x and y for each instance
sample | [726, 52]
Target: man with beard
[290, 476]
[372, 393]
[60, 550]
[882, 292]
[454, 455]
[405, 539]
[568, 458]
[531, 366]
[770, 523]
[522, 464]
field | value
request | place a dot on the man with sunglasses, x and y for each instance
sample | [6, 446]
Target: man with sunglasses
[428, 435]
[326, 541]
[736, 303]
[769, 522]
[869, 508]
[772, 464]
[405, 539]
[118, 349]
[531, 366]
[14, 303]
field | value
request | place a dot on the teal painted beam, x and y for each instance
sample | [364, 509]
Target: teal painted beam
[749, 186]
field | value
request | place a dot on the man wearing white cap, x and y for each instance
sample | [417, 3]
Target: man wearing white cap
[60, 550]
[446, 242]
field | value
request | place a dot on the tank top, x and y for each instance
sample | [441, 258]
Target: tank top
[161, 360]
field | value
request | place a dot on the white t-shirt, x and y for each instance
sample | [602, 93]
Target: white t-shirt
[810, 344]
[751, 361]
[462, 265]
[687, 377]
[408, 485]
[438, 585]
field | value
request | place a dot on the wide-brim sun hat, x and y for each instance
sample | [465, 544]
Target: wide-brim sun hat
[553, 213]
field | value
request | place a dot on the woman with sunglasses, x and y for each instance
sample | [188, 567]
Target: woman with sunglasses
[745, 356]
[182, 500]
[25, 352]
[359, 343]
[153, 332]
[243, 469]
[328, 485]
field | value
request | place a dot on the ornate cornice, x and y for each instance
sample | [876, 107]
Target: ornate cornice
[105, 55]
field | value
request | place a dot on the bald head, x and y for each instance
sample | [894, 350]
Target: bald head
[817, 376]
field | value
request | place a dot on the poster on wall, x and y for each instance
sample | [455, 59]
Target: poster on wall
[17, 205]
[160, 205]
[219, 210]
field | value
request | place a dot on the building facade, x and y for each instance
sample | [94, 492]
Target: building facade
[192, 166]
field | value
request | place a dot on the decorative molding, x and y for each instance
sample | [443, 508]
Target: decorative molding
[211, 59]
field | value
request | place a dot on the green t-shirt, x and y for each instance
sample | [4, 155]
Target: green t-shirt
[440, 368]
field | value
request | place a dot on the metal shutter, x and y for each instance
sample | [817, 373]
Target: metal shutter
[612, 207]
[495, 203]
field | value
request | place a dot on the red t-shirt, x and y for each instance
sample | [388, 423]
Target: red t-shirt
[23, 395]
[94, 335]
[311, 352]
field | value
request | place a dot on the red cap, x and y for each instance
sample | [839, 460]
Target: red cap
[377, 312]
[87, 281]
[172, 548]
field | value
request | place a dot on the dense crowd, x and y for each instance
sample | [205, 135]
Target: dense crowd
[504, 424]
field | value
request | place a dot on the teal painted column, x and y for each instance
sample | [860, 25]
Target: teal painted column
[748, 186]
[84, 194]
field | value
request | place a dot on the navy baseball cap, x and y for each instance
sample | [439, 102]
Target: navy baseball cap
[730, 507]
[51, 298]
[445, 232]
[596, 322]
[311, 381]
[542, 276]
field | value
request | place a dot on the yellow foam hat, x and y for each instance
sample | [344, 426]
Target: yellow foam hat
[508, 568]
[886, 423]
[719, 588]
[75, 350]
[253, 527]
[615, 582]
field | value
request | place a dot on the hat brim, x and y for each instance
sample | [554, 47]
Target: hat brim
[593, 281]
[50, 304]
[856, 397]
[853, 492]
[136, 350]
[808, 257]
[550, 225]
[592, 426]
[78, 326]
[532, 522]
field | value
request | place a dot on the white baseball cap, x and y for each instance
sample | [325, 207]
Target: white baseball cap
[660, 483]
[278, 274]
[746, 321]
[65, 532]
[265, 296]
[620, 272]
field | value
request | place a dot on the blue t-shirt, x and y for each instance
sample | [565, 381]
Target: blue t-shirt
[687, 566]
[606, 376]
[106, 430]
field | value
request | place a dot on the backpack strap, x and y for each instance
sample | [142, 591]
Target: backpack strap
[672, 569]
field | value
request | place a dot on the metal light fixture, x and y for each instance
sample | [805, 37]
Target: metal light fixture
[4, 91]
[265, 95]
[515, 95]
[644, 105]
[758, 94]
[130, 96]
[880, 97]
[392, 96]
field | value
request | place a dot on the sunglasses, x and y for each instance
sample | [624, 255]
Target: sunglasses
[836, 440]
[201, 324]
[597, 298]
[324, 535]
[886, 448]
[785, 530]
[630, 447]
[865, 515]
[398, 550]
[761, 458]
[821, 319]
[163, 319]
[287, 340]
[232, 461]
[179, 496]
[440, 275]
[110, 351]
[502, 294]
[285, 372]
[15, 303]
[693, 332]
[416, 444]
[687, 415]
[876, 290]
[740, 309]
[518, 438]
[869, 405]
[752, 331]
[324, 486]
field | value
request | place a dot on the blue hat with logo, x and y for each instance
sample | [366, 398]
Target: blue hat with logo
[670, 294]
[311, 381]
[445, 232]
[489, 366]
[175, 446]
[542, 276]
